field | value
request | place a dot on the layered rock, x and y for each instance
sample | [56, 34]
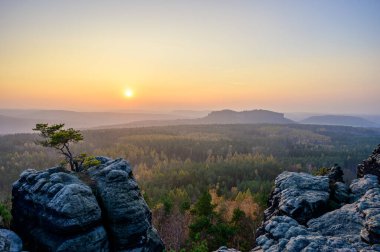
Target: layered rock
[125, 212]
[369, 208]
[354, 225]
[285, 234]
[54, 210]
[298, 195]
[359, 187]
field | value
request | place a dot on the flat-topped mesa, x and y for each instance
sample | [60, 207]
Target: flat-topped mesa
[53, 210]
[301, 215]
[249, 117]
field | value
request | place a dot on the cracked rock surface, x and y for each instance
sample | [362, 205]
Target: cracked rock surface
[301, 218]
[54, 210]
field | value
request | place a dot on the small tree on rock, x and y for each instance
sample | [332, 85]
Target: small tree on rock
[56, 137]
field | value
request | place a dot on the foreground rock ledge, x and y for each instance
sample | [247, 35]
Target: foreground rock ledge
[320, 213]
[54, 210]
[301, 216]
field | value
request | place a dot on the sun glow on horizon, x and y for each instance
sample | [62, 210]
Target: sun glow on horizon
[174, 56]
[128, 93]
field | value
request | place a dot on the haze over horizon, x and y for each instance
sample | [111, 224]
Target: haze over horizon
[285, 56]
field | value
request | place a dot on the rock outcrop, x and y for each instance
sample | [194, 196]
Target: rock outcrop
[371, 165]
[321, 213]
[54, 210]
[299, 195]
[128, 218]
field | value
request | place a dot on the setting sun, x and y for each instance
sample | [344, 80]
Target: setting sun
[128, 93]
[190, 125]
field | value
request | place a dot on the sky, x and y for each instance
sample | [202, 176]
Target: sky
[285, 55]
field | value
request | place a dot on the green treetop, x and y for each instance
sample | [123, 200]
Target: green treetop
[56, 137]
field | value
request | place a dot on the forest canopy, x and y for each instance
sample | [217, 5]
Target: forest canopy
[228, 167]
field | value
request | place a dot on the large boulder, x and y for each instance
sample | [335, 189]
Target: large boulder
[54, 210]
[299, 195]
[343, 221]
[360, 186]
[371, 165]
[9, 241]
[125, 211]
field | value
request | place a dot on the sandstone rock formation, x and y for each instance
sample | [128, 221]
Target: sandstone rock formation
[53, 210]
[321, 213]
[299, 195]
[125, 212]
[371, 165]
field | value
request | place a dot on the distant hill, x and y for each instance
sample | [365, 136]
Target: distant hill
[339, 120]
[10, 125]
[215, 117]
[22, 121]
[372, 118]
[252, 116]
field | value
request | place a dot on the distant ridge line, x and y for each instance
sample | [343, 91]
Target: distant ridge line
[226, 116]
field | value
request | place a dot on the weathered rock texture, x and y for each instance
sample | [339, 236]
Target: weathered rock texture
[54, 210]
[128, 218]
[299, 195]
[321, 213]
[9, 241]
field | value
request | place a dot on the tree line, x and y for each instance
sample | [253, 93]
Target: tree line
[207, 185]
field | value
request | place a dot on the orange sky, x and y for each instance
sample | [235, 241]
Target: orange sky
[319, 57]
